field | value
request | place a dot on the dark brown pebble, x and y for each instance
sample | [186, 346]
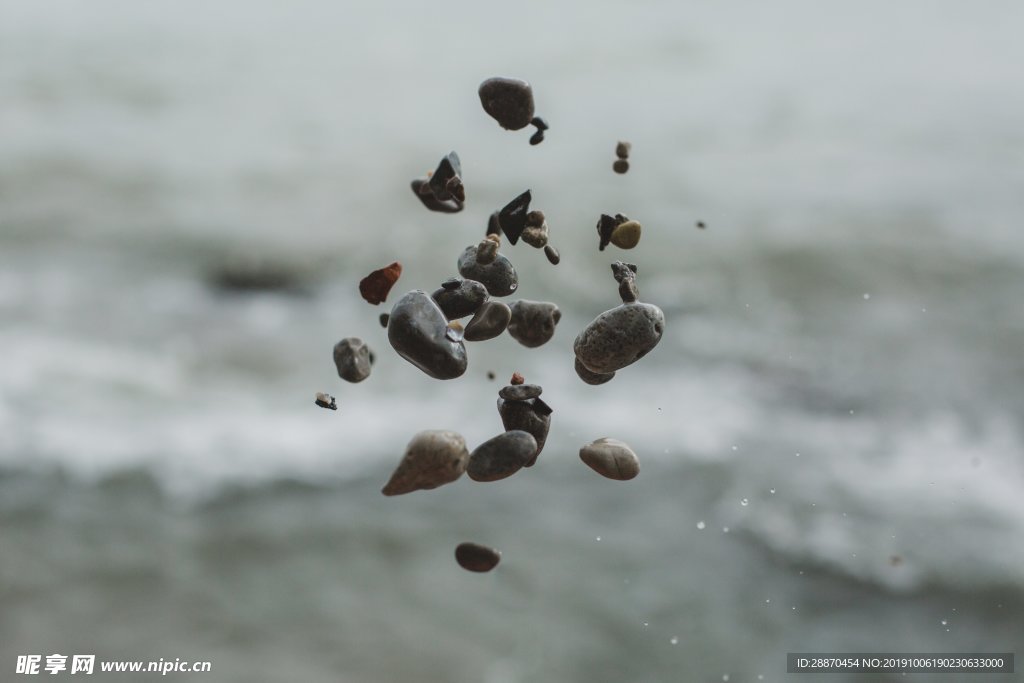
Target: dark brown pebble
[441, 181]
[517, 379]
[493, 226]
[502, 456]
[491, 375]
[509, 101]
[620, 166]
[552, 255]
[433, 203]
[541, 408]
[512, 217]
[537, 138]
[622, 150]
[476, 558]
[419, 332]
[700, 224]
[384, 317]
[451, 283]
[326, 401]
[520, 392]
[374, 288]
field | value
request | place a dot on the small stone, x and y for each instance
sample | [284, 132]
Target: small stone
[517, 379]
[700, 224]
[512, 217]
[537, 138]
[433, 458]
[552, 254]
[620, 166]
[592, 378]
[611, 458]
[352, 359]
[376, 286]
[499, 276]
[490, 375]
[384, 319]
[622, 150]
[420, 188]
[528, 416]
[520, 392]
[542, 126]
[326, 401]
[605, 225]
[509, 101]
[461, 300]
[446, 182]
[533, 322]
[626, 235]
[493, 226]
[476, 558]
[418, 331]
[535, 219]
[619, 337]
[502, 456]
[486, 251]
[489, 321]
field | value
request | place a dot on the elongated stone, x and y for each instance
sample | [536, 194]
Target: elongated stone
[611, 458]
[592, 378]
[374, 288]
[509, 101]
[498, 276]
[460, 300]
[552, 254]
[529, 416]
[520, 392]
[502, 456]
[619, 337]
[352, 358]
[489, 321]
[533, 322]
[476, 558]
[433, 457]
[418, 331]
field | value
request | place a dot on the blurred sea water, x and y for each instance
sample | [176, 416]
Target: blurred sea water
[830, 432]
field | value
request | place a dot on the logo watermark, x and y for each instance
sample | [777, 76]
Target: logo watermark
[56, 663]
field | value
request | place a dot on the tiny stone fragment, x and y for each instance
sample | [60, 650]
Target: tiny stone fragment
[489, 321]
[384, 319]
[432, 458]
[700, 224]
[493, 226]
[605, 225]
[611, 458]
[533, 322]
[476, 558]
[552, 254]
[486, 251]
[622, 149]
[501, 456]
[517, 379]
[490, 375]
[459, 298]
[620, 166]
[352, 359]
[520, 392]
[374, 288]
[326, 401]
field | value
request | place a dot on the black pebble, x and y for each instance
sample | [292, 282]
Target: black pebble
[384, 317]
[462, 300]
[552, 255]
[509, 101]
[620, 166]
[512, 218]
[439, 182]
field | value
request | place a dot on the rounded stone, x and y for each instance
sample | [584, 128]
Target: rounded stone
[622, 149]
[552, 254]
[611, 458]
[620, 166]
[434, 457]
[619, 337]
[520, 392]
[352, 359]
[626, 235]
[498, 276]
[476, 558]
[459, 298]
[509, 101]
[592, 378]
[384, 317]
[502, 456]
[533, 322]
[418, 331]
[528, 417]
[489, 321]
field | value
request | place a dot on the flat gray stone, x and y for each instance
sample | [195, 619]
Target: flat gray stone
[502, 456]
[352, 358]
[619, 337]
[520, 392]
[433, 458]
[459, 298]
[489, 321]
[529, 417]
[418, 331]
[476, 558]
[533, 322]
[498, 276]
[611, 458]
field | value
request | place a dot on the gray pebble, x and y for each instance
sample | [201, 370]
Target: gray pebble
[502, 456]
[499, 277]
[418, 331]
[476, 558]
[611, 458]
[619, 337]
[352, 359]
[594, 378]
[520, 392]
[509, 101]
[529, 416]
[433, 457]
[459, 298]
[489, 321]
[533, 322]
[552, 254]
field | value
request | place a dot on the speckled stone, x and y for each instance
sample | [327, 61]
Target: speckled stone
[489, 321]
[533, 322]
[520, 392]
[502, 456]
[476, 558]
[593, 378]
[433, 458]
[499, 277]
[529, 416]
[619, 337]
[552, 254]
[460, 298]
[352, 359]
[611, 458]
[509, 101]
[418, 331]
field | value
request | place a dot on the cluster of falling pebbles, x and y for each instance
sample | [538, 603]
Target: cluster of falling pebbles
[426, 330]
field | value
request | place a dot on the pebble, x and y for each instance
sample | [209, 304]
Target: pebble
[493, 226]
[611, 458]
[517, 378]
[536, 231]
[520, 392]
[605, 226]
[619, 337]
[533, 322]
[509, 101]
[700, 224]
[626, 235]
[418, 331]
[533, 417]
[489, 321]
[374, 288]
[384, 317]
[434, 457]
[620, 166]
[459, 298]
[446, 182]
[352, 358]
[490, 375]
[593, 378]
[512, 217]
[502, 456]
[421, 189]
[476, 558]
[499, 276]
[552, 254]
[487, 250]
[326, 401]
[622, 149]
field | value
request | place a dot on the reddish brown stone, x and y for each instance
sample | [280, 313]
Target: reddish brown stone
[375, 286]
[517, 378]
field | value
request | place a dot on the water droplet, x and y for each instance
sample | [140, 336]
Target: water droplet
[767, 600]
[771, 491]
[674, 640]
[725, 677]
[700, 525]
[744, 502]
[598, 538]
[944, 622]
[725, 529]
[735, 448]
[646, 624]
[794, 607]
[924, 310]
[760, 677]
[866, 296]
[798, 455]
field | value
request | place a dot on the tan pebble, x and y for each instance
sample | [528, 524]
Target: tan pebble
[611, 458]
[432, 458]
[626, 235]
